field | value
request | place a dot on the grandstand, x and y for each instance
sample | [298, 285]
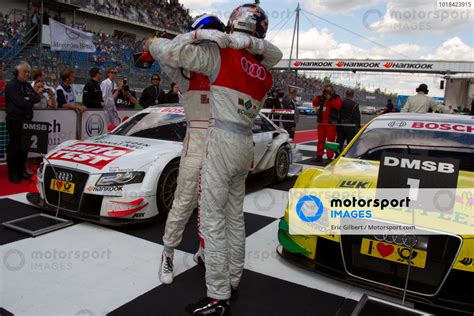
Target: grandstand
[120, 26]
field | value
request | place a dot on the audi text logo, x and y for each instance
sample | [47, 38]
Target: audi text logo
[253, 70]
[399, 124]
[64, 176]
[408, 241]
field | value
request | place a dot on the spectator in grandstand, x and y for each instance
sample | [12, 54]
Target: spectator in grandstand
[421, 103]
[46, 17]
[349, 119]
[65, 96]
[153, 95]
[110, 93]
[47, 96]
[2, 86]
[92, 94]
[328, 104]
[289, 103]
[20, 98]
[35, 23]
[173, 95]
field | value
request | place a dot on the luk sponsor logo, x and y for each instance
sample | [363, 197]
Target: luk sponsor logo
[354, 184]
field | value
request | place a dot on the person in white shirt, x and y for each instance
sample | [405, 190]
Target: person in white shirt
[110, 93]
[421, 103]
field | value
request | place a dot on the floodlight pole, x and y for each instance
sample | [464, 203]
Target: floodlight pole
[296, 33]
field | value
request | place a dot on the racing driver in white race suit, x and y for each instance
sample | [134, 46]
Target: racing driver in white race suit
[239, 83]
[195, 87]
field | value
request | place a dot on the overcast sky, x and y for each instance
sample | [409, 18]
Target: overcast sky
[395, 29]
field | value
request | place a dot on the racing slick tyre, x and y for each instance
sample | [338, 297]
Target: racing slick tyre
[282, 164]
[165, 189]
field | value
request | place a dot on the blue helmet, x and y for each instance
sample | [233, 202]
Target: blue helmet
[208, 22]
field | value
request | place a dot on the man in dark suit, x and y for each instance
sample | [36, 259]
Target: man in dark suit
[349, 118]
[20, 98]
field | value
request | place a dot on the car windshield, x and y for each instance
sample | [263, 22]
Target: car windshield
[373, 142]
[154, 125]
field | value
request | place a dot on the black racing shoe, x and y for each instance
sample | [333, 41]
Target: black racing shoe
[209, 307]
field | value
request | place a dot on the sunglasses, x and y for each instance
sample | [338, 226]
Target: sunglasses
[113, 72]
[153, 79]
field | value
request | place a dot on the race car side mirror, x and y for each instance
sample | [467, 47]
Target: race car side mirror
[111, 127]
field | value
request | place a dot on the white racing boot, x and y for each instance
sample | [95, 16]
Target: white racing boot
[166, 268]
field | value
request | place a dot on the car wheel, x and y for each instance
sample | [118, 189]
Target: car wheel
[166, 187]
[282, 164]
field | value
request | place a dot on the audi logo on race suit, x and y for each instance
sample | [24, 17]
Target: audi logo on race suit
[254, 70]
[64, 176]
[408, 241]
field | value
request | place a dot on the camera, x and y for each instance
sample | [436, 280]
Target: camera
[125, 85]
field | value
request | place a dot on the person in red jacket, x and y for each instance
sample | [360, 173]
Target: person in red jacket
[328, 105]
[2, 87]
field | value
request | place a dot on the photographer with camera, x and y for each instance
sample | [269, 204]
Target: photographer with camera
[328, 104]
[127, 98]
[47, 96]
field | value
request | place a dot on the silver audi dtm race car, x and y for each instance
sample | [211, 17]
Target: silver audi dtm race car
[129, 175]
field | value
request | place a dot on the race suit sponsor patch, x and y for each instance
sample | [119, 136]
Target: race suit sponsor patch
[94, 155]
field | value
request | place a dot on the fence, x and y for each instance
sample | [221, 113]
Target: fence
[65, 125]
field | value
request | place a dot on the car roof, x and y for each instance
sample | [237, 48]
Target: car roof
[165, 108]
[431, 117]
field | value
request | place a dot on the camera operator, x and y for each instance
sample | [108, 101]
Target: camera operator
[48, 100]
[328, 104]
[20, 98]
[273, 103]
[126, 98]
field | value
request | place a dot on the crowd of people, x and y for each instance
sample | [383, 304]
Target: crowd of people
[169, 15]
[9, 28]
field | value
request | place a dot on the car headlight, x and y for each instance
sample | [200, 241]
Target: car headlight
[120, 178]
